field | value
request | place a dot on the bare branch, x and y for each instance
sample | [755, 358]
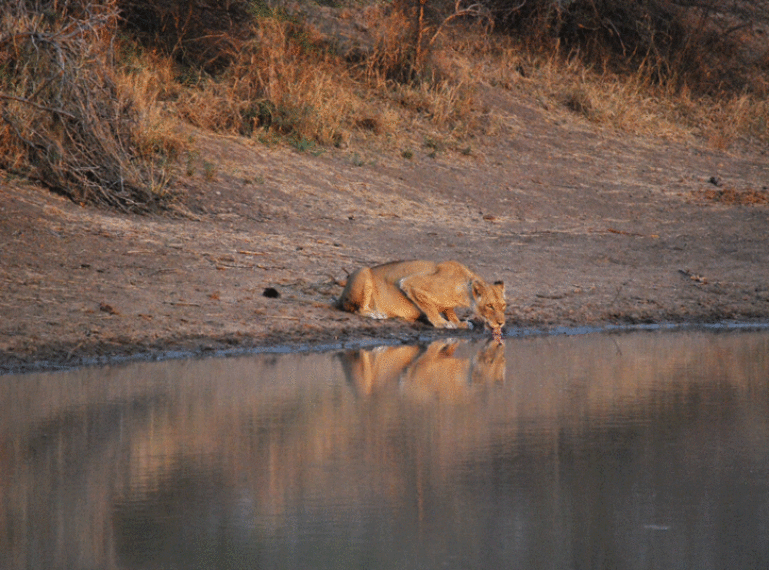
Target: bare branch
[38, 106]
[478, 11]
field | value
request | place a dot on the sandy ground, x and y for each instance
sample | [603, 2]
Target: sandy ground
[586, 227]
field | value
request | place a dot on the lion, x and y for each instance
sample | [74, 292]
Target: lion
[421, 289]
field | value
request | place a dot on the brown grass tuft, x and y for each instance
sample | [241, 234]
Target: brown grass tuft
[732, 196]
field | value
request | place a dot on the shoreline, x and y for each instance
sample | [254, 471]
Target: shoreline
[90, 357]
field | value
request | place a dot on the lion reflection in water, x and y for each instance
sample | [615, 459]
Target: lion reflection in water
[432, 371]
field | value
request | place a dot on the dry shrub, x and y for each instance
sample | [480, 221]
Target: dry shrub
[65, 120]
[700, 43]
[392, 55]
[417, 62]
[197, 34]
[725, 120]
[631, 103]
[275, 82]
[639, 102]
[149, 79]
[407, 36]
[656, 67]
[246, 68]
[449, 105]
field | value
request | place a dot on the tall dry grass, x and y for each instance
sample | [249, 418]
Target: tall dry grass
[704, 43]
[614, 63]
[279, 82]
[640, 102]
[283, 79]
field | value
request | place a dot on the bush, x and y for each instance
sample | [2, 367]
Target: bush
[278, 80]
[696, 42]
[406, 32]
[65, 121]
[197, 34]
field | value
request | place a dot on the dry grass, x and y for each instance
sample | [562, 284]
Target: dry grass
[276, 84]
[147, 79]
[284, 81]
[638, 102]
[93, 114]
[732, 196]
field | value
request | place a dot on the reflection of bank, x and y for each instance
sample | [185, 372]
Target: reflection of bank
[434, 371]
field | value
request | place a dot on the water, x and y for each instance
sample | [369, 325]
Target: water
[637, 450]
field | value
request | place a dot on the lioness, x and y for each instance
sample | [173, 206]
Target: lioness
[419, 288]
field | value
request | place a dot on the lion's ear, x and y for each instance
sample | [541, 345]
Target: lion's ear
[501, 286]
[477, 288]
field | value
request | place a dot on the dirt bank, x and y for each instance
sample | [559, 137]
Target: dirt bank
[584, 226]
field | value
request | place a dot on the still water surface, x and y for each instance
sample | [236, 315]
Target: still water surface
[635, 450]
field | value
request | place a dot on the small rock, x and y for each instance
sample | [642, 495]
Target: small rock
[271, 293]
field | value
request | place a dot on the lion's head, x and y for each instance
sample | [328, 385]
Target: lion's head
[489, 304]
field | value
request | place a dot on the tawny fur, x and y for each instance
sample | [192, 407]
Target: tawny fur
[414, 289]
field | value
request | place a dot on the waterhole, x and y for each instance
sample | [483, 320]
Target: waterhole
[625, 450]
